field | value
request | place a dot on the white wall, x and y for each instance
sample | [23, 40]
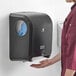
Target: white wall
[56, 9]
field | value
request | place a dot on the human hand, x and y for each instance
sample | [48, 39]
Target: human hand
[47, 62]
[43, 63]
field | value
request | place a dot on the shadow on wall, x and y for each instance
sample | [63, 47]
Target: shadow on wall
[6, 65]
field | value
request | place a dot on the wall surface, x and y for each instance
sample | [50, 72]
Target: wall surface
[56, 9]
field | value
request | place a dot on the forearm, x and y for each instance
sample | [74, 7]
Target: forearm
[69, 72]
[56, 58]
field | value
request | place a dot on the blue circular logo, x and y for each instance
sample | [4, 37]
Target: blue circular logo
[21, 28]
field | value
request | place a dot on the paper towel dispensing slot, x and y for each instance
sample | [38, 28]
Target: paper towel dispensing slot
[30, 35]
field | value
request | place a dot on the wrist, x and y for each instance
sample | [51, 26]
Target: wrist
[51, 61]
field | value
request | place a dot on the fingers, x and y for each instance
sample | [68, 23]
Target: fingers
[37, 65]
[42, 64]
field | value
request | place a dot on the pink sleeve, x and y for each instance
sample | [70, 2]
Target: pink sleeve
[71, 48]
[71, 56]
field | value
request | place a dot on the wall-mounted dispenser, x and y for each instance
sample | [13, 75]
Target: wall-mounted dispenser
[30, 35]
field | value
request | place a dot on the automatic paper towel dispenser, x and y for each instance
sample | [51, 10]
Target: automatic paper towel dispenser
[30, 35]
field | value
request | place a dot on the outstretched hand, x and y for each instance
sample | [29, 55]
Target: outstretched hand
[43, 63]
[47, 62]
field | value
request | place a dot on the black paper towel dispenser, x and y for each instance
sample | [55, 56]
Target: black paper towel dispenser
[30, 35]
